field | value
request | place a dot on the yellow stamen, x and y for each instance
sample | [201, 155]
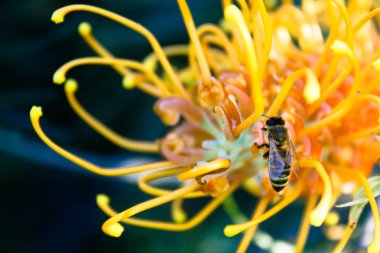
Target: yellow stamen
[225, 3]
[368, 68]
[216, 58]
[245, 11]
[333, 31]
[218, 165]
[305, 224]
[156, 191]
[332, 36]
[342, 243]
[232, 230]
[223, 42]
[375, 81]
[359, 176]
[186, 75]
[257, 29]
[361, 134]
[70, 88]
[235, 17]
[283, 41]
[330, 89]
[376, 64]
[189, 22]
[339, 47]
[193, 63]
[59, 77]
[35, 115]
[129, 82]
[85, 31]
[287, 85]
[320, 212]
[268, 37]
[178, 214]
[245, 242]
[112, 226]
[208, 42]
[347, 21]
[365, 19]
[354, 7]
[367, 132]
[60, 74]
[150, 61]
[350, 40]
[331, 71]
[58, 17]
[103, 203]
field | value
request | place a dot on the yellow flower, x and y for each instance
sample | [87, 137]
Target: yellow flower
[257, 64]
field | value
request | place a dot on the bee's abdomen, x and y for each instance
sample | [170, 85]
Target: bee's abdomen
[279, 183]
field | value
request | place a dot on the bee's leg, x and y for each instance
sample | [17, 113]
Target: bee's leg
[266, 146]
[262, 145]
[266, 150]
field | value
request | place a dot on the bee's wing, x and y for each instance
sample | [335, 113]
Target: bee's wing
[275, 161]
[294, 158]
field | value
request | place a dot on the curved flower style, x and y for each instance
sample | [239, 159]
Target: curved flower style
[256, 63]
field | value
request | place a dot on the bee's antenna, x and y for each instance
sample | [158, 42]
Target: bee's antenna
[265, 116]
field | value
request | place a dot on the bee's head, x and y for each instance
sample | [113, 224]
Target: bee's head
[275, 121]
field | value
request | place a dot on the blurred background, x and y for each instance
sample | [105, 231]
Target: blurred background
[48, 203]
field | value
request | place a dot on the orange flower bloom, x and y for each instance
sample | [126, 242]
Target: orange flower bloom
[257, 63]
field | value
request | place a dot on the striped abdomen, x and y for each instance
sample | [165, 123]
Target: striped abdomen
[279, 168]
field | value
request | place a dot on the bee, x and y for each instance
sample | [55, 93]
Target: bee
[281, 155]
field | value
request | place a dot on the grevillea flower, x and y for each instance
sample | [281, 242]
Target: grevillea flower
[316, 65]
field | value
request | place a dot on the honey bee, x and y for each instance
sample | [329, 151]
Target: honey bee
[281, 155]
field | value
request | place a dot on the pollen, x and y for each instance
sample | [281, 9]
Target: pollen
[114, 230]
[84, 28]
[71, 85]
[340, 47]
[57, 17]
[59, 77]
[129, 82]
[36, 112]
